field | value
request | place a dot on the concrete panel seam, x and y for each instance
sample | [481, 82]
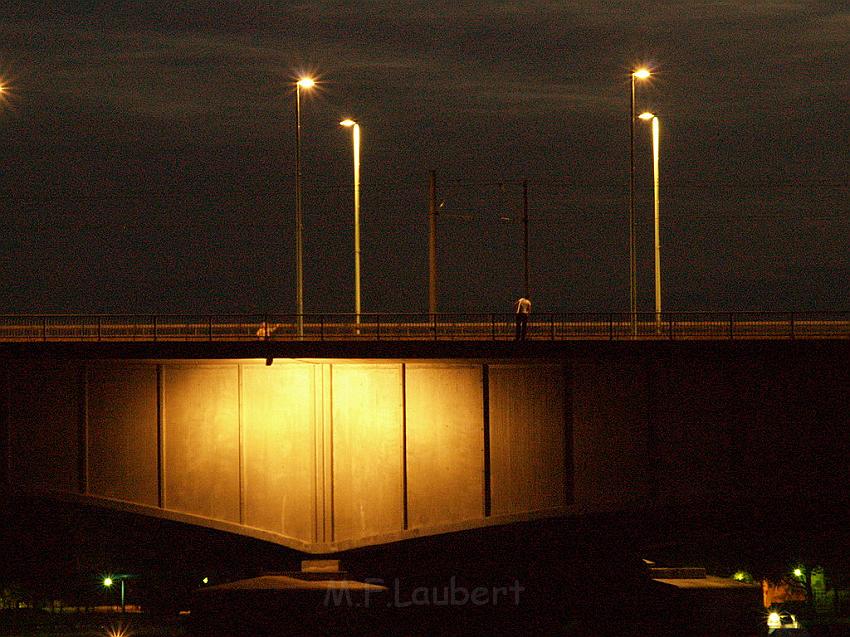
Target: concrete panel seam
[328, 509]
[404, 494]
[160, 435]
[485, 392]
[241, 444]
[83, 430]
[6, 430]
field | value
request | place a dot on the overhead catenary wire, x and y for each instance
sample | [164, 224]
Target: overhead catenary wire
[388, 188]
[552, 198]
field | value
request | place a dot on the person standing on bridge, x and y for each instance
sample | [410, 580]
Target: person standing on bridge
[522, 308]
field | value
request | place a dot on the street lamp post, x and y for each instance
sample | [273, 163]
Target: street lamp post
[109, 581]
[432, 244]
[640, 74]
[355, 137]
[526, 292]
[303, 83]
[655, 180]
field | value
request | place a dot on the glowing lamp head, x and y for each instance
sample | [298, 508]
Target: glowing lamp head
[306, 82]
[348, 123]
[641, 74]
[107, 581]
[798, 572]
[646, 115]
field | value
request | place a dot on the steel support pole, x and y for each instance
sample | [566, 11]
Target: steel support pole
[299, 222]
[632, 238]
[432, 243]
[356, 142]
[525, 237]
[656, 177]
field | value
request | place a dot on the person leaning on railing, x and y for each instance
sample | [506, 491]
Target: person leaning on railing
[522, 309]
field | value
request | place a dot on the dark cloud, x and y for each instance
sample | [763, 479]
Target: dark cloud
[150, 151]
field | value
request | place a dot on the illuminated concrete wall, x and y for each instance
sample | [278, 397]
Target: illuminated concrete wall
[445, 444]
[528, 438]
[280, 421]
[200, 429]
[318, 455]
[368, 451]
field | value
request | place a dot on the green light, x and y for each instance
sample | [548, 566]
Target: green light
[107, 581]
[206, 580]
[741, 576]
[798, 572]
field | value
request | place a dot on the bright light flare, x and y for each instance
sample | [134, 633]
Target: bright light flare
[642, 73]
[348, 123]
[646, 115]
[782, 619]
[118, 631]
[107, 581]
[306, 82]
[7, 93]
[798, 572]
[774, 621]
[9, 88]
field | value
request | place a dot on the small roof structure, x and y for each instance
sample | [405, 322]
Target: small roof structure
[709, 582]
[289, 583]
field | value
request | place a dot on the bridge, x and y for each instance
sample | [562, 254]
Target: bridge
[355, 433]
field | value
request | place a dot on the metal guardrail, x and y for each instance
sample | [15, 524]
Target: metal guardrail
[614, 326]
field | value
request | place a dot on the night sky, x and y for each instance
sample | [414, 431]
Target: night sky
[148, 153]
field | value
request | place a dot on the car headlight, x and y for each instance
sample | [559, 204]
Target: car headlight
[774, 620]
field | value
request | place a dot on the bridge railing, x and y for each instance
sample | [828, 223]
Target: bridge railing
[543, 326]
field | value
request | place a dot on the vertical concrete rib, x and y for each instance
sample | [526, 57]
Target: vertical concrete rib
[328, 453]
[404, 497]
[656, 411]
[318, 450]
[330, 511]
[83, 430]
[241, 445]
[485, 379]
[569, 463]
[5, 433]
[160, 436]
